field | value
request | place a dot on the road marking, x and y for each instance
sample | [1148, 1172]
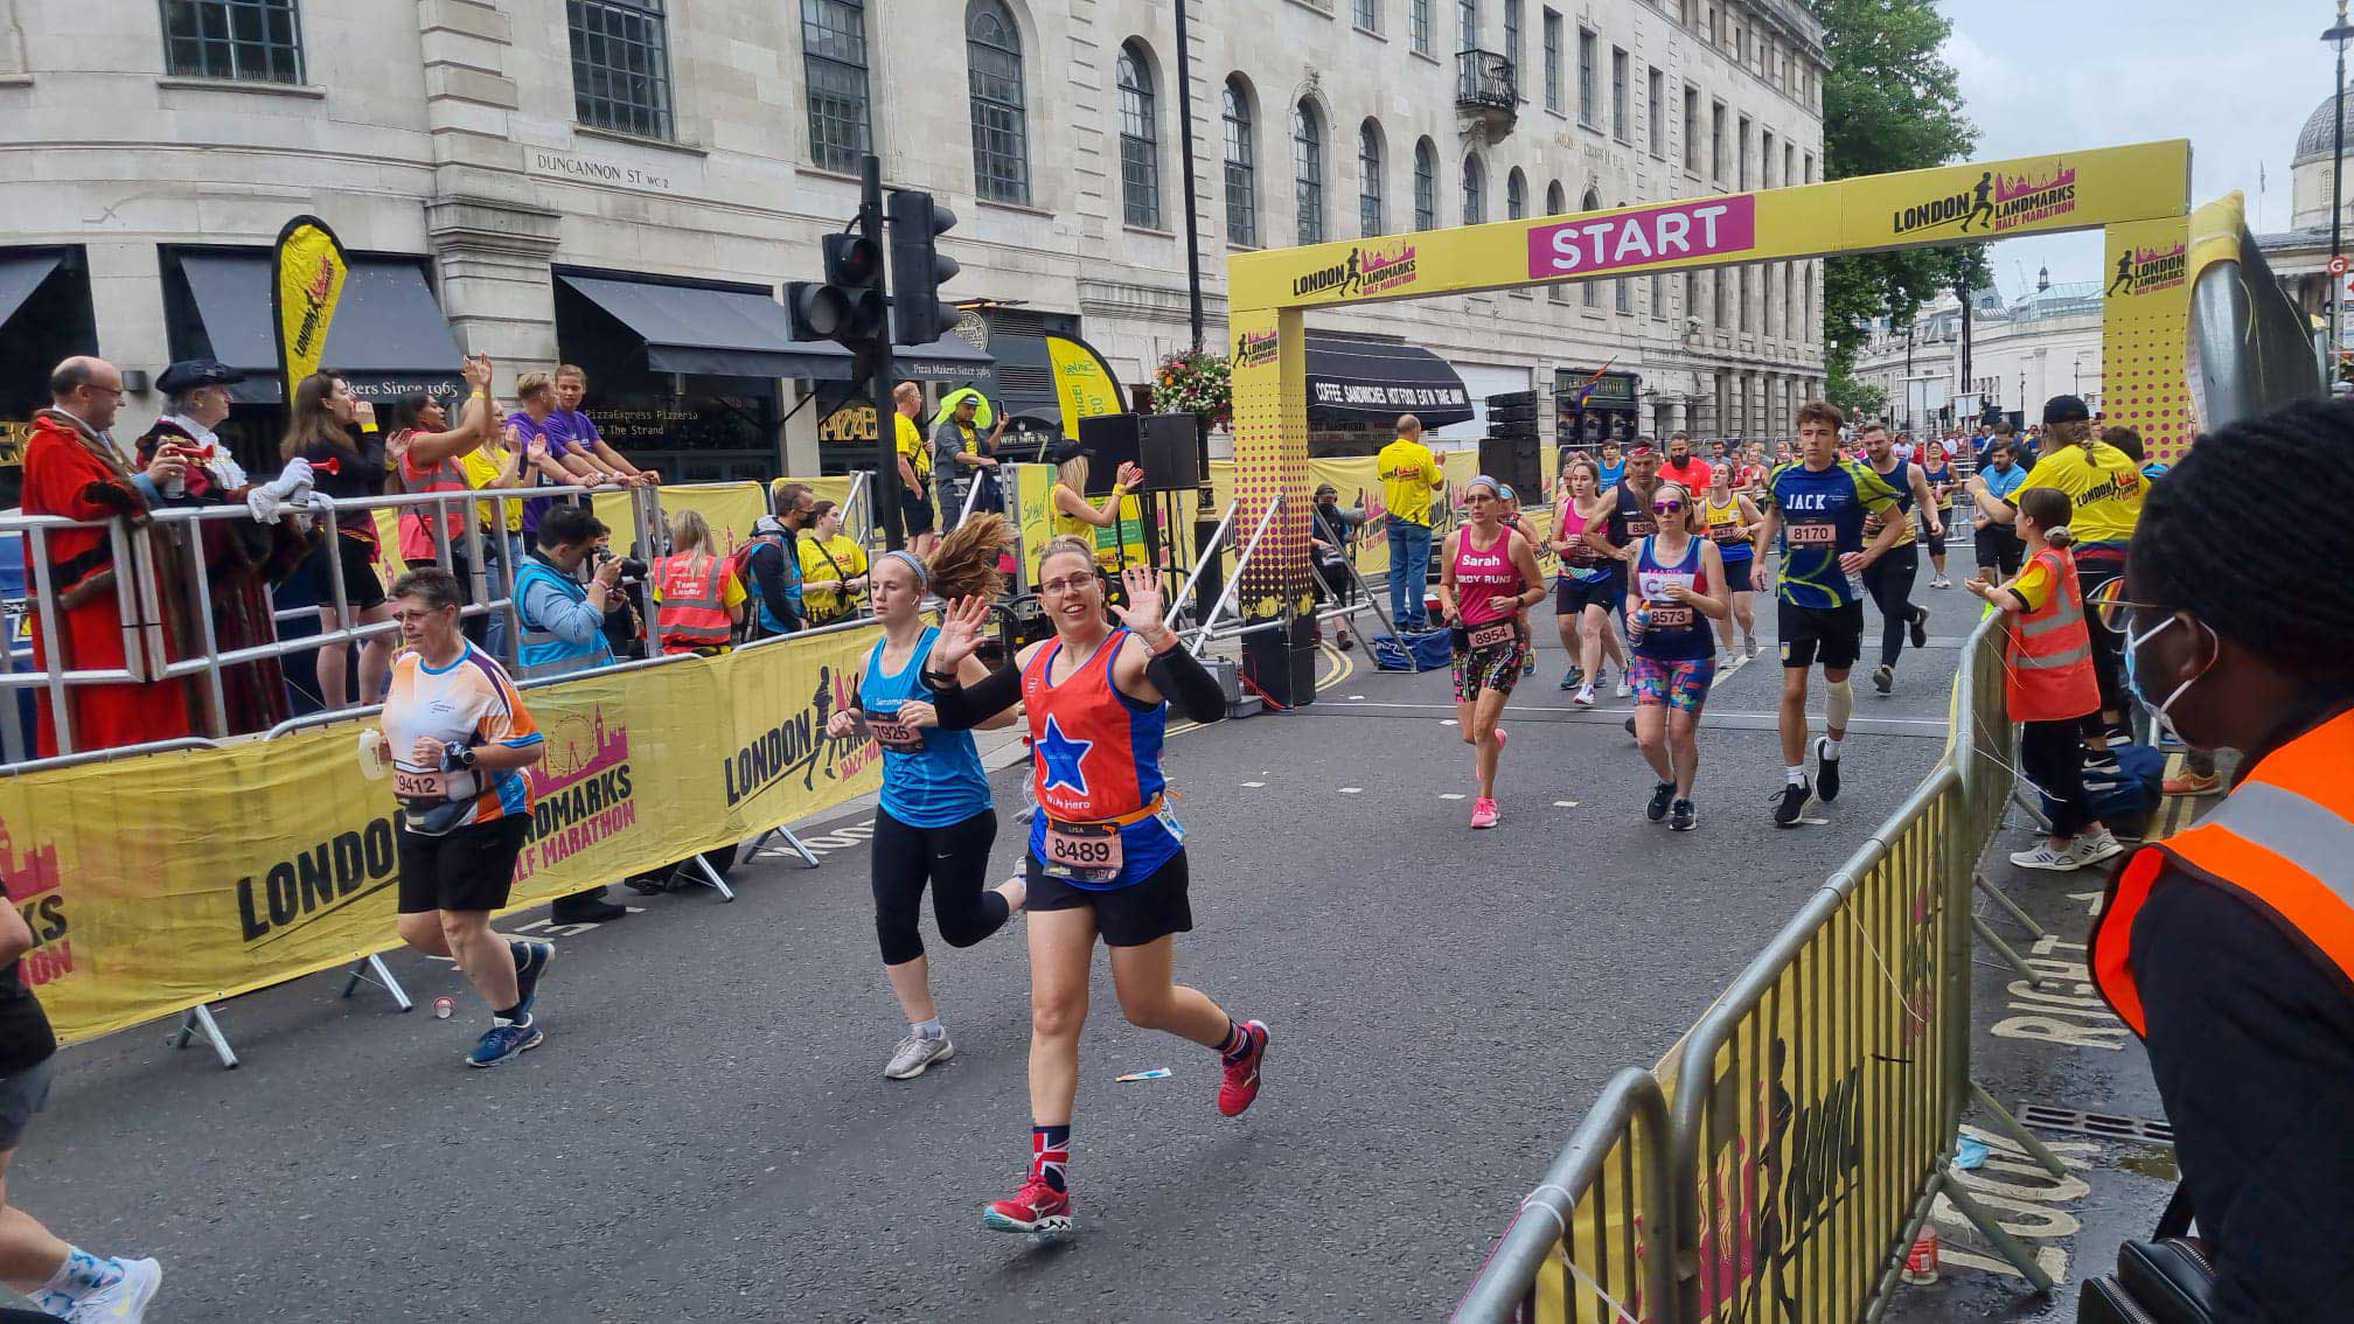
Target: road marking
[1450, 795]
[1352, 790]
[1254, 785]
[1564, 804]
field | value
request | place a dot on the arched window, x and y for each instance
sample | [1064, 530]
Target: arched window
[1556, 202]
[1592, 289]
[1475, 192]
[1426, 185]
[1242, 168]
[1001, 137]
[1369, 217]
[1307, 152]
[1515, 195]
[1140, 140]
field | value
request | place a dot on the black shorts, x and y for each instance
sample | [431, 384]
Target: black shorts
[22, 1095]
[468, 868]
[361, 588]
[1571, 597]
[916, 513]
[1833, 636]
[1144, 911]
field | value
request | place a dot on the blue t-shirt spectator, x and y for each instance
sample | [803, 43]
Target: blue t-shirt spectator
[2001, 484]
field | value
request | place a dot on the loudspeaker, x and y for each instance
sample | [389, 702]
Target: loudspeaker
[1109, 440]
[1172, 456]
[1514, 461]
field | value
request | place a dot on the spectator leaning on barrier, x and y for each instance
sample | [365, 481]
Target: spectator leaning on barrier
[74, 469]
[349, 467]
[773, 563]
[833, 567]
[585, 445]
[532, 428]
[698, 599]
[2229, 946]
[425, 451]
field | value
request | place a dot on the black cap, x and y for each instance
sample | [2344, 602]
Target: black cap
[1327, 489]
[188, 374]
[2064, 409]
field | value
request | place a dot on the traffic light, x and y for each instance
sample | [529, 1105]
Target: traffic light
[847, 307]
[917, 268]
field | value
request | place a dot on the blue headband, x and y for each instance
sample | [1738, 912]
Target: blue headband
[923, 577]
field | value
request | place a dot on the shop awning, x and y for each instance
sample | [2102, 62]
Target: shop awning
[1381, 379]
[20, 275]
[389, 335]
[710, 332]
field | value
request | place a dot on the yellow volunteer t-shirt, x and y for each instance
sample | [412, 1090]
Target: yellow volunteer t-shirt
[911, 445]
[482, 473]
[847, 561]
[1409, 473]
[2034, 585]
[2107, 488]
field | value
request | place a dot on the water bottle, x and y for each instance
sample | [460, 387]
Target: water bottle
[1640, 622]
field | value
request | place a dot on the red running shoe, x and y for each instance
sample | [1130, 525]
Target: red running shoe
[1038, 1207]
[1241, 1083]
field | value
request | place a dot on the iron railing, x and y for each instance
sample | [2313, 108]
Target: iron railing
[1484, 81]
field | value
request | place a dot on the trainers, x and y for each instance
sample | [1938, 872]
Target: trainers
[531, 961]
[1941, 582]
[1037, 1207]
[1240, 1084]
[1826, 772]
[1661, 796]
[1584, 698]
[1483, 812]
[916, 1054]
[2044, 857]
[126, 1300]
[1920, 627]
[1884, 678]
[1790, 803]
[1683, 817]
[2191, 783]
[2096, 846]
[1749, 647]
[1571, 677]
[504, 1039]
[1622, 689]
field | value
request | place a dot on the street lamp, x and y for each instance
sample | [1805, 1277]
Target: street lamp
[2337, 187]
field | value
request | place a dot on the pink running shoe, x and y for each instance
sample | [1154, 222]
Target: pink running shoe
[1483, 813]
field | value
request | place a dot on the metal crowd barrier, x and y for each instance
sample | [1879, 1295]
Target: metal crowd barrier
[1779, 1161]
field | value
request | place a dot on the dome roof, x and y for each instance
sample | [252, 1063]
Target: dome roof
[2314, 140]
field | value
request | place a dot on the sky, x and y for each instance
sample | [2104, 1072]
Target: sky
[2236, 79]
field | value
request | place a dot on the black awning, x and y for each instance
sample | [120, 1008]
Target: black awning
[701, 331]
[1381, 379]
[389, 335]
[20, 275]
[951, 358]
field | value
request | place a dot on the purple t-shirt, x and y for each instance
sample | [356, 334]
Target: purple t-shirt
[526, 429]
[573, 429]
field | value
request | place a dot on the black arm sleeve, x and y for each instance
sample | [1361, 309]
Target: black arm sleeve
[1184, 681]
[966, 706]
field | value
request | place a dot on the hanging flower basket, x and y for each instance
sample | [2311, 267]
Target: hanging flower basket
[1197, 383]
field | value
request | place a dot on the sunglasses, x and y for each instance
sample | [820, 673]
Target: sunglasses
[1666, 507]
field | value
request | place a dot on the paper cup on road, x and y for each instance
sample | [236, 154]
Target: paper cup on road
[375, 758]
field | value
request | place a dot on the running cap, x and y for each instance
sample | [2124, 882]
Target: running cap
[2064, 409]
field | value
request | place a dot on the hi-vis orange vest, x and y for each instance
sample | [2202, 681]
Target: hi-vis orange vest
[693, 613]
[2283, 839]
[2049, 656]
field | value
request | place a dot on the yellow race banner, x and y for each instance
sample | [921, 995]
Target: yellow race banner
[158, 883]
[307, 269]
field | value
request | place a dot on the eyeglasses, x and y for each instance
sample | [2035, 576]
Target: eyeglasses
[1067, 584]
[2112, 608]
[1666, 507]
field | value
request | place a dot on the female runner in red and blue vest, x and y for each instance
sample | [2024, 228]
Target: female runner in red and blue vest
[1107, 854]
[1676, 591]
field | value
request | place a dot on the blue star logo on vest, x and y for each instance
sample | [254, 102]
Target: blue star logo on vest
[1062, 755]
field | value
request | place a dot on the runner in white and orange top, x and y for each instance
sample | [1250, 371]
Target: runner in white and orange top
[459, 738]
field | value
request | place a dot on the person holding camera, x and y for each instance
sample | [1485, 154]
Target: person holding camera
[563, 622]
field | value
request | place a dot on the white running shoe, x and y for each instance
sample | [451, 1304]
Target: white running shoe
[2044, 857]
[1749, 646]
[124, 1303]
[1584, 698]
[1623, 689]
[916, 1054]
[2096, 846]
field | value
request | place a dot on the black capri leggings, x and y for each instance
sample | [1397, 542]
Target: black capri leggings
[1890, 582]
[2051, 754]
[954, 859]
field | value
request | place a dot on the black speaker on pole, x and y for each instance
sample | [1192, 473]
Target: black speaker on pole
[1163, 445]
[1109, 440]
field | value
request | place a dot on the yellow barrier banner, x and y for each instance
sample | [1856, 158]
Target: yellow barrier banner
[730, 509]
[157, 883]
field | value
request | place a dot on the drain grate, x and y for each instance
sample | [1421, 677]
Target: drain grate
[2108, 1126]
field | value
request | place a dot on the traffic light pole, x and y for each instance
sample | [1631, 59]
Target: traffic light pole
[877, 358]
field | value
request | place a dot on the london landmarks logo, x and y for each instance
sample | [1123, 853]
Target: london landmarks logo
[1997, 202]
[2149, 270]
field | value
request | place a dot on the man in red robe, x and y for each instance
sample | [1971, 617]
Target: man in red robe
[74, 469]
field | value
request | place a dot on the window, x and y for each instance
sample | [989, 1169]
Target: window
[1765, 159]
[1242, 169]
[833, 50]
[1789, 299]
[1716, 141]
[1692, 128]
[1369, 218]
[1691, 296]
[1593, 288]
[1717, 280]
[1307, 150]
[1655, 108]
[1552, 61]
[1741, 145]
[1556, 202]
[1467, 25]
[1748, 307]
[1658, 297]
[1426, 186]
[1001, 139]
[1810, 167]
[1716, 26]
[1622, 122]
[1140, 141]
[1475, 192]
[1512, 16]
[257, 40]
[620, 66]
[1369, 15]
[1789, 165]
[1418, 24]
[1515, 195]
[1589, 51]
[1622, 294]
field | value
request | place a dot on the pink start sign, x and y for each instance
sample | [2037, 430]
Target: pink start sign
[1700, 228]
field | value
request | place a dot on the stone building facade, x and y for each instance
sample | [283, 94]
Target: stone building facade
[2021, 354]
[507, 160]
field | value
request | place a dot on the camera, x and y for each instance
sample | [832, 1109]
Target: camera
[633, 570]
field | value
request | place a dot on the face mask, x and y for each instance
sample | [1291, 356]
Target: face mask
[2157, 711]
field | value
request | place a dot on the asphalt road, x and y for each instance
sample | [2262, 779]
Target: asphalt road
[707, 1135]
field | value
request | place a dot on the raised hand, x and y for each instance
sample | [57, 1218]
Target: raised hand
[476, 371]
[960, 633]
[1129, 477]
[1142, 614]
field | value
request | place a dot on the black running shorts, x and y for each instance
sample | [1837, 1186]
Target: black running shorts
[467, 868]
[1144, 911]
[1833, 636]
[1571, 596]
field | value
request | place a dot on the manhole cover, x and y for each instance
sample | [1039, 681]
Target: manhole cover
[2109, 1126]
